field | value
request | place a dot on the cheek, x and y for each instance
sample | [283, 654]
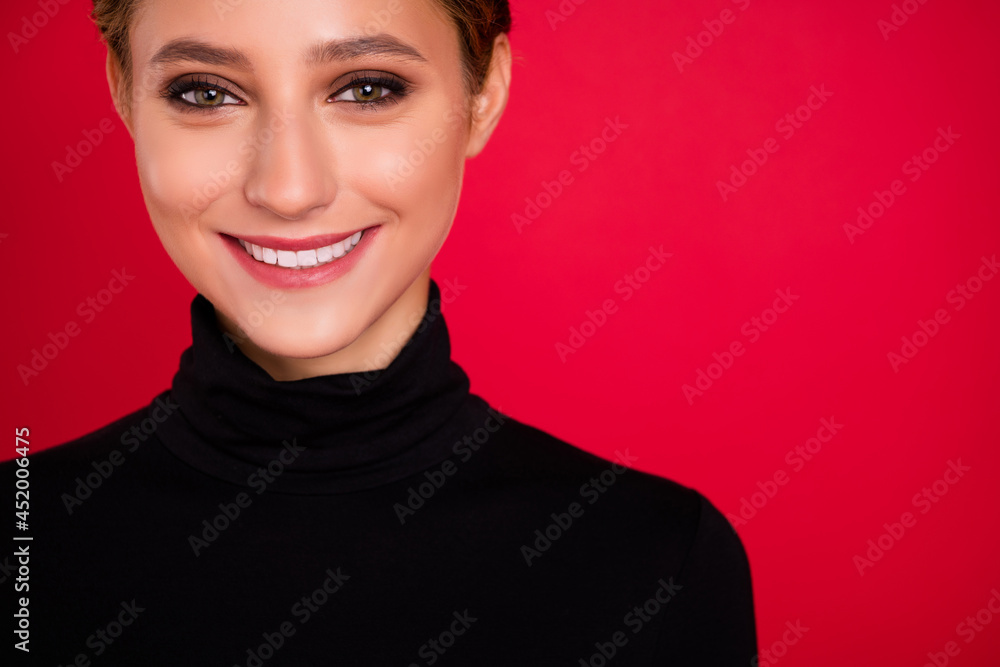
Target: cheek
[413, 169]
[182, 173]
[418, 168]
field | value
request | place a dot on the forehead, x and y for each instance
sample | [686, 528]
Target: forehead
[250, 34]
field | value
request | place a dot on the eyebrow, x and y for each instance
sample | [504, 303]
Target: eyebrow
[359, 47]
[192, 50]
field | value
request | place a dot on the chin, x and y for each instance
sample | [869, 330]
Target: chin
[285, 333]
[280, 344]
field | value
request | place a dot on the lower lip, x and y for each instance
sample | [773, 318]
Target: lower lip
[284, 278]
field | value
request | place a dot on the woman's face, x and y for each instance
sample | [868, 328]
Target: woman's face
[289, 129]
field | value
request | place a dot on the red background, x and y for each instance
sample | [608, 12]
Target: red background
[655, 184]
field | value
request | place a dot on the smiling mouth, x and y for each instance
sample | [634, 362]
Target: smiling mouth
[303, 259]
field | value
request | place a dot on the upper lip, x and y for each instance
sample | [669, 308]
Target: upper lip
[307, 243]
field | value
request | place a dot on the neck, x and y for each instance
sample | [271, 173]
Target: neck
[379, 343]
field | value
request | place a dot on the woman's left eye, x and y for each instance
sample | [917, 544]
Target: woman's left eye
[208, 97]
[363, 93]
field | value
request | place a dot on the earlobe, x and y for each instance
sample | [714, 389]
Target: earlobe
[489, 105]
[114, 75]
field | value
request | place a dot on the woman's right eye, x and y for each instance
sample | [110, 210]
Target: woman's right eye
[207, 97]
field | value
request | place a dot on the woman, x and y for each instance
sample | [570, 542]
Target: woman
[319, 486]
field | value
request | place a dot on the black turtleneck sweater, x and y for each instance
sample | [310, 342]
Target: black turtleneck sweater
[383, 518]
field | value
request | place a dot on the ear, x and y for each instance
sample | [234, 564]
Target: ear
[114, 73]
[488, 106]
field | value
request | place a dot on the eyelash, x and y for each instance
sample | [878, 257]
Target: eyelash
[397, 89]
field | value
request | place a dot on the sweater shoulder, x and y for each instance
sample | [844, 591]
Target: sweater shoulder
[533, 451]
[76, 456]
[551, 466]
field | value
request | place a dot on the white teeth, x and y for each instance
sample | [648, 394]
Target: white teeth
[286, 258]
[302, 258]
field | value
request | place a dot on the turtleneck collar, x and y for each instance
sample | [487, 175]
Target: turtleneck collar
[332, 434]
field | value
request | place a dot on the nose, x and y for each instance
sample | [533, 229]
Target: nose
[291, 171]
